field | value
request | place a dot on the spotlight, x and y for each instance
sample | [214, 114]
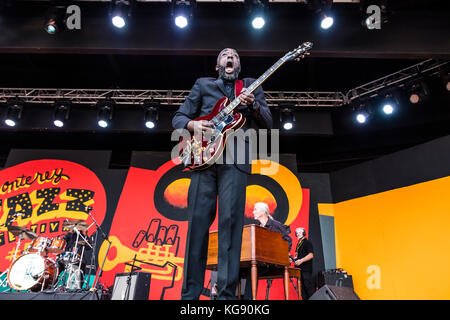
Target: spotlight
[151, 114]
[445, 79]
[121, 10]
[287, 119]
[389, 105]
[362, 113]
[418, 92]
[388, 108]
[182, 12]
[322, 8]
[105, 113]
[361, 117]
[258, 22]
[55, 20]
[61, 114]
[326, 21]
[256, 10]
[14, 113]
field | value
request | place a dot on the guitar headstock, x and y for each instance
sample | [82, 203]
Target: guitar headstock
[299, 53]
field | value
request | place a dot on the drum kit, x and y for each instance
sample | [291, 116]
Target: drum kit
[38, 267]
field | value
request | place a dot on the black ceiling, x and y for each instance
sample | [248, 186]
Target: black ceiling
[343, 58]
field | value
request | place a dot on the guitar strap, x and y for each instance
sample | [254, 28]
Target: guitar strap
[238, 85]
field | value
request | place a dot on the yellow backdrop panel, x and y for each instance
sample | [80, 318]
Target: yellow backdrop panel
[396, 244]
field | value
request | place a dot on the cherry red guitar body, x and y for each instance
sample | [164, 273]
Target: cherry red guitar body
[199, 151]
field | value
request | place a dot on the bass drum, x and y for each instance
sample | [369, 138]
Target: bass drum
[32, 272]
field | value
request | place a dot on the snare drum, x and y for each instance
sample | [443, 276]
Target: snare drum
[32, 272]
[57, 246]
[39, 245]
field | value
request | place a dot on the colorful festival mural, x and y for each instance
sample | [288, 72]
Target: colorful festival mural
[149, 225]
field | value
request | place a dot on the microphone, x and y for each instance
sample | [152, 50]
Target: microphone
[35, 277]
[17, 214]
[89, 208]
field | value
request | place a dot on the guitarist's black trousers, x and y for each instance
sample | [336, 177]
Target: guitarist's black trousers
[222, 186]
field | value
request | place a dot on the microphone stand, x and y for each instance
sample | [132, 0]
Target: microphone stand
[86, 282]
[127, 292]
[105, 237]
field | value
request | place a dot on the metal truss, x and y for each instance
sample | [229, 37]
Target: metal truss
[235, 1]
[398, 79]
[177, 97]
[163, 97]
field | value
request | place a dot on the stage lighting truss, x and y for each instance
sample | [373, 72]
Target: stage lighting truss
[273, 98]
[91, 97]
[396, 79]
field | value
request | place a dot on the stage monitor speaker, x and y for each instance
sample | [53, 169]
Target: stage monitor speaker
[334, 293]
[334, 278]
[137, 289]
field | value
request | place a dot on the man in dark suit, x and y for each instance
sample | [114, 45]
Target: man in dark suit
[226, 181]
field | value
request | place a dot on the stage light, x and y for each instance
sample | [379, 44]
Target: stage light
[418, 92]
[13, 113]
[105, 113]
[258, 22]
[118, 21]
[326, 21]
[445, 79]
[121, 10]
[322, 9]
[388, 105]
[61, 113]
[362, 112]
[55, 19]
[256, 12]
[361, 117]
[182, 12]
[287, 119]
[151, 114]
[388, 108]
[181, 21]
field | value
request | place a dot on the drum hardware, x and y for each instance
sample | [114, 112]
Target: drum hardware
[79, 224]
[32, 272]
[105, 237]
[23, 234]
[39, 245]
[57, 245]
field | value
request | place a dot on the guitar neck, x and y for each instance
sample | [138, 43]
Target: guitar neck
[255, 84]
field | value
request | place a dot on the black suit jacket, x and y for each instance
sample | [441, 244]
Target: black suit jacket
[203, 97]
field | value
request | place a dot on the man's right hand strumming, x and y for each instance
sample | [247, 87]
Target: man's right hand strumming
[199, 126]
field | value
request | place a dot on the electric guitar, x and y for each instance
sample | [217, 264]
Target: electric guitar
[200, 150]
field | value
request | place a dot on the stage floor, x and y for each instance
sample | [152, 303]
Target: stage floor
[49, 296]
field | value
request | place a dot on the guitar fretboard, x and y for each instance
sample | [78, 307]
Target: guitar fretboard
[228, 109]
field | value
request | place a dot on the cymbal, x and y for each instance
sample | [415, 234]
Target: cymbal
[22, 232]
[80, 224]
